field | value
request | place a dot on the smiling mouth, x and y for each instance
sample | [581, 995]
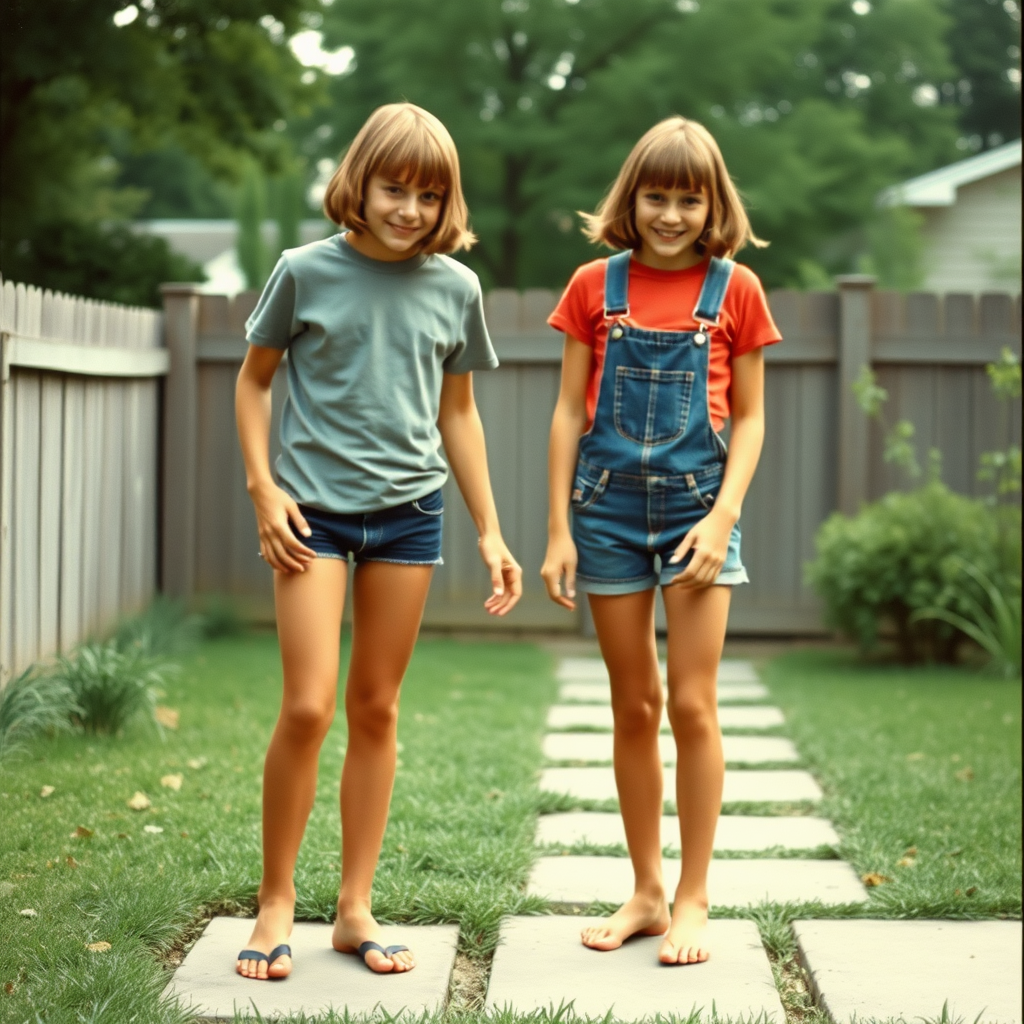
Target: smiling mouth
[402, 229]
[669, 236]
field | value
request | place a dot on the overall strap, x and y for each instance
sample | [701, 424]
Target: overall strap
[712, 293]
[616, 285]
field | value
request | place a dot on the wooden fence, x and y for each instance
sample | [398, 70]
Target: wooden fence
[821, 454]
[78, 468]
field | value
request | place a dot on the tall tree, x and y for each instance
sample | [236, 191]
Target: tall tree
[817, 104]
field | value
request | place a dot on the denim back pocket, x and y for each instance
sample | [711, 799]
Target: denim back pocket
[430, 504]
[652, 406]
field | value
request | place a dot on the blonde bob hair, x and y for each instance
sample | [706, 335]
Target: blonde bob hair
[402, 142]
[675, 153]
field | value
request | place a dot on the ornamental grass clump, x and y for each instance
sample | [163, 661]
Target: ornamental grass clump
[111, 687]
[31, 705]
[164, 629]
[879, 571]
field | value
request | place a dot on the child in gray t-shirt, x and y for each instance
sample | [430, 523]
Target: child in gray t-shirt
[382, 331]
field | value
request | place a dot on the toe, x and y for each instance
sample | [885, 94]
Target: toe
[404, 961]
[379, 963]
[281, 967]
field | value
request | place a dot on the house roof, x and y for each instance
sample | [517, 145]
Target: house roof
[938, 188]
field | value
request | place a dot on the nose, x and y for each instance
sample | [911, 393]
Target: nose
[409, 208]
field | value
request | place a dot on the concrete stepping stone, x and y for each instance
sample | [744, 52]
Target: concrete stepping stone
[321, 978]
[766, 786]
[540, 962]
[731, 883]
[597, 747]
[599, 693]
[594, 670]
[908, 969]
[735, 832]
[597, 716]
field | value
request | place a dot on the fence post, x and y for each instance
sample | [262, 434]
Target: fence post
[180, 442]
[854, 352]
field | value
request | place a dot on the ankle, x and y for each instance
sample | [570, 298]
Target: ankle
[354, 908]
[690, 899]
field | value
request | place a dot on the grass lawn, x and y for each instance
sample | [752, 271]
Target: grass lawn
[919, 766]
[457, 849]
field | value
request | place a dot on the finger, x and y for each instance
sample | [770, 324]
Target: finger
[497, 580]
[298, 519]
[685, 545]
[514, 578]
[570, 580]
[285, 561]
[550, 579]
[286, 535]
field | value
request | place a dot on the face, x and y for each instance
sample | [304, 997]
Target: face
[399, 216]
[669, 221]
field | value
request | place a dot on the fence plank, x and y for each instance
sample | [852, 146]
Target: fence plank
[25, 528]
[72, 618]
[51, 457]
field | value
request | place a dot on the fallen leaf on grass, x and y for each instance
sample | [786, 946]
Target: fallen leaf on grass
[97, 947]
[494, 794]
[46, 791]
[70, 861]
[139, 802]
[153, 830]
[82, 833]
[184, 835]
[873, 878]
[9, 988]
[915, 756]
[167, 717]
[196, 762]
[905, 862]
[965, 774]
[122, 835]
[28, 912]
[972, 890]
[172, 781]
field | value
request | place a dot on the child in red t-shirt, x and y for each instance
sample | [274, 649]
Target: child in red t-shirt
[664, 342]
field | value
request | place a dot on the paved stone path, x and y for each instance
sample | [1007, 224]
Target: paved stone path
[596, 747]
[321, 978]
[599, 716]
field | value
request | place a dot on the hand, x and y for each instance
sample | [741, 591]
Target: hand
[279, 547]
[709, 541]
[506, 574]
[560, 561]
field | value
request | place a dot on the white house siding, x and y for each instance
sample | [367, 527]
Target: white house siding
[975, 244]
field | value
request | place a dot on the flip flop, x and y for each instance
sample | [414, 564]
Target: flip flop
[278, 951]
[365, 948]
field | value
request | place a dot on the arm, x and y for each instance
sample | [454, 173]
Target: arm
[463, 437]
[279, 546]
[710, 537]
[567, 425]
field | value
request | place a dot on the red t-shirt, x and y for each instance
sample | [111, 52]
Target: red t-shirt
[664, 300]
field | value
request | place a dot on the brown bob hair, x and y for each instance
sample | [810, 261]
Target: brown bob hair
[402, 142]
[675, 153]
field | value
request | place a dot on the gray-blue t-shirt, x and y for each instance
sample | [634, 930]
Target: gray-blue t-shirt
[368, 344]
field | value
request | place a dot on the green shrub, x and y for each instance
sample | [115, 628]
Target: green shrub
[901, 555]
[110, 686]
[32, 704]
[164, 629]
[220, 617]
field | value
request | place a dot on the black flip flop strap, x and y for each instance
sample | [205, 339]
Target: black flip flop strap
[253, 954]
[365, 948]
[392, 950]
[278, 951]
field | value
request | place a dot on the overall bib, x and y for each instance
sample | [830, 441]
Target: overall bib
[651, 464]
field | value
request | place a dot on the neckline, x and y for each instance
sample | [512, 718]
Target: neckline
[352, 254]
[644, 269]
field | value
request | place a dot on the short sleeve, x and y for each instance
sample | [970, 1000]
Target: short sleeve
[572, 314]
[473, 350]
[755, 326]
[272, 323]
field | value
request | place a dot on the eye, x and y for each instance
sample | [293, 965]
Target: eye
[432, 197]
[654, 197]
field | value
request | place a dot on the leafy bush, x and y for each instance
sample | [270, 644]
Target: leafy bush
[164, 629]
[110, 686]
[220, 617]
[32, 704]
[902, 555]
[993, 622]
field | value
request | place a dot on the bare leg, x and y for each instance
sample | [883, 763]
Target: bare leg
[309, 606]
[388, 607]
[625, 631]
[696, 633]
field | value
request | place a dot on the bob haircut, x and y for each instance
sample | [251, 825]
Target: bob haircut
[402, 142]
[675, 153]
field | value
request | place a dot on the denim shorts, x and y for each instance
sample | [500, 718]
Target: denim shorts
[621, 522]
[408, 534]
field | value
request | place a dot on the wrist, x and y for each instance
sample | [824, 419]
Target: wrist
[259, 485]
[730, 513]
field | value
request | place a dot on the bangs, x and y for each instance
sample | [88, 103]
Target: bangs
[414, 156]
[674, 161]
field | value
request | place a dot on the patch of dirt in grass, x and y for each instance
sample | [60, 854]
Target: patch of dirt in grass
[172, 956]
[468, 987]
[797, 1000]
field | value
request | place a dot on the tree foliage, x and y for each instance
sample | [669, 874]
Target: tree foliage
[816, 107]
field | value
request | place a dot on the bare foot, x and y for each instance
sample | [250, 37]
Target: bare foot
[354, 927]
[273, 926]
[686, 941]
[642, 915]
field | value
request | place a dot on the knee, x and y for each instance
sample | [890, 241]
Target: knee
[692, 717]
[371, 714]
[639, 714]
[307, 720]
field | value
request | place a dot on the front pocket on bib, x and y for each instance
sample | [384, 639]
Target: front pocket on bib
[652, 406]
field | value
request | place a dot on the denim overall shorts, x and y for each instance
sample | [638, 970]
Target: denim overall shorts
[651, 464]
